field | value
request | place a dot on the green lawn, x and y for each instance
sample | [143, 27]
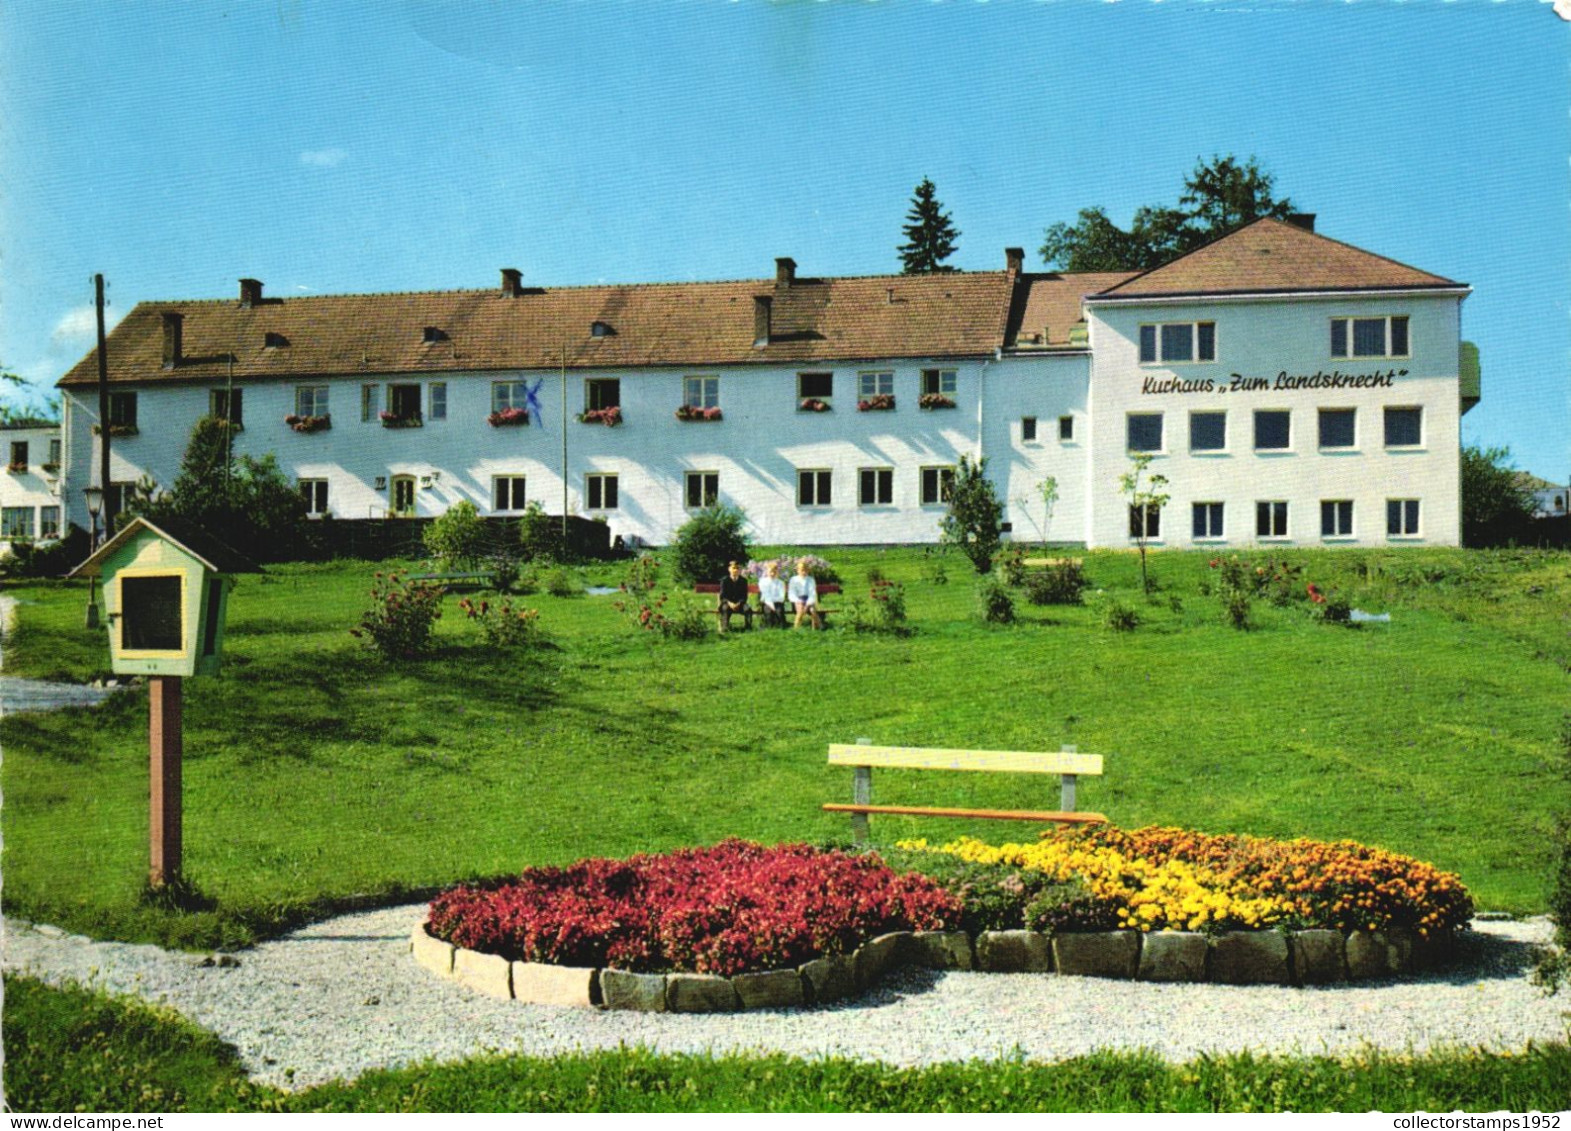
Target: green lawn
[317, 777]
[74, 1050]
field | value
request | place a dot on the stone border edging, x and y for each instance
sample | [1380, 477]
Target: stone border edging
[1267, 957]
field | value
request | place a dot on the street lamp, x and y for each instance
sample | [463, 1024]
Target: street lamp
[95, 501]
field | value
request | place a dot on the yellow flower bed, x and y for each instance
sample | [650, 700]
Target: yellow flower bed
[1158, 878]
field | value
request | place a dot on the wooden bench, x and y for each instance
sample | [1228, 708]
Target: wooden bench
[1043, 563]
[1068, 764]
[459, 580]
[828, 589]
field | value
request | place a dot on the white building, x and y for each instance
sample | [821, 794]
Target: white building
[30, 487]
[832, 410]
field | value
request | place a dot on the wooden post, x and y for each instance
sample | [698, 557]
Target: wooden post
[861, 794]
[164, 749]
[1066, 783]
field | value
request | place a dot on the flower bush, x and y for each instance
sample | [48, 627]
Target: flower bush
[934, 400]
[693, 412]
[509, 418]
[309, 423]
[403, 613]
[501, 625]
[610, 417]
[878, 402]
[731, 909]
[1154, 878]
[820, 569]
[400, 420]
[813, 404]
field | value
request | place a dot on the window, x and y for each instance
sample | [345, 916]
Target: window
[1028, 429]
[701, 392]
[311, 400]
[876, 486]
[403, 401]
[1271, 520]
[941, 381]
[314, 492]
[701, 489]
[1145, 522]
[1338, 427]
[1207, 431]
[1369, 337]
[1208, 520]
[18, 455]
[936, 484]
[813, 489]
[1404, 427]
[1402, 518]
[507, 493]
[122, 410]
[370, 401]
[439, 400]
[819, 386]
[1066, 429]
[601, 490]
[509, 394]
[1145, 432]
[880, 384]
[1178, 341]
[1336, 518]
[225, 404]
[403, 496]
[1273, 429]
[601, 393]
[54, 454]
[49, 522]
[16, 524]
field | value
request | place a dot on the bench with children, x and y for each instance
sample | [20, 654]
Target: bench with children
[777, 598]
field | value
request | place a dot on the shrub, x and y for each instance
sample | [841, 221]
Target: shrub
[1059, 583]
[501, 625]
[821, 571]
[1012, 565]
[884, 611]
[1554, 965]
[1329, 608]
[975, 514]
[559, 581]
[402, 616]
[503, 567]
[730, 909]
[457, 538]
[994, 604]
[709, 540]
[934, 568]
[539, 535]
[875, 574]
[46, 559]
[1119, 617]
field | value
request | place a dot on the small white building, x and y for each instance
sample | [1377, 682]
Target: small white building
[832, 410]
[30, 490]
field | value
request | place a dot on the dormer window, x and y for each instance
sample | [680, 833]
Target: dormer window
[600, 329]
[274, 341]
[434, 334]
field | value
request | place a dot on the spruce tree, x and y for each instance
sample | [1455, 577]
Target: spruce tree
[931, 234]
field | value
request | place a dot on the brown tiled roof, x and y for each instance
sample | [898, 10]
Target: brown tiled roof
[1049, 305]
[1273, 256]
[688, 324]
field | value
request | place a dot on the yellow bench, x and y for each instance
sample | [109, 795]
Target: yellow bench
[1068, 763]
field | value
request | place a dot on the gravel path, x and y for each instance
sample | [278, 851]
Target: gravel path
[17, 695]
[344, 996]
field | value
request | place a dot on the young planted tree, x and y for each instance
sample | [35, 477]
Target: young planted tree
[975, 514]
[1146, 498]
[929, 234]
[1497, 507]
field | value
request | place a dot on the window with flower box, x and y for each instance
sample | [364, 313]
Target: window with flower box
[940, 382]
[876, 486]
[19, 449]
[701, 392]
[1271, 519]
[701, 489]
[877, 383]
[814, 487]
[813, 389]
[48, 522]
[602, 393]
[1385, 336]
[314, 492]
[1336, 518]
[310, 400]
[403, 407]
[600, 491]
[508, 493]
[936, 485]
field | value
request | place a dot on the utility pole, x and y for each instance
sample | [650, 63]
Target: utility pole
[103, 401]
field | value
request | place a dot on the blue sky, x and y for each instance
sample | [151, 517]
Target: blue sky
[337, 147]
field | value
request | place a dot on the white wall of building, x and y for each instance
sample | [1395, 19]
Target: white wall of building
[33, 488]
[1264, 339]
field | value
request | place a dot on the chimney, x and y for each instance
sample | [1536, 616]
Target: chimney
[512, 282]
[250, 292]
[762, 305]
[785, 271]
[172, 338]
[1304, 220]
[1014, 259]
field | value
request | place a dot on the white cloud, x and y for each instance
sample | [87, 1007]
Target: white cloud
[77, 327]
[323, 158]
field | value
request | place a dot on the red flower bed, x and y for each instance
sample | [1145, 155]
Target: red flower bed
[731, 909]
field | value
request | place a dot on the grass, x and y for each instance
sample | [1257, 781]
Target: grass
[317, 777]
[74, 1049]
